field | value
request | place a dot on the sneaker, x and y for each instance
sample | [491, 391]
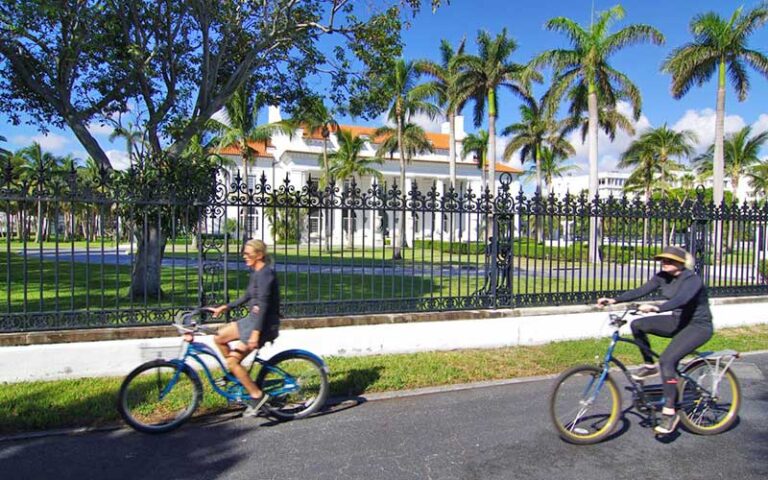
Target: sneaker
[645, 372]
[253, 405]
[667, 424]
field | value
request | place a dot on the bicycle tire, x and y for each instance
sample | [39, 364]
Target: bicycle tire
[700, 412]
[305, 378]
[146, 406]
[568, 410]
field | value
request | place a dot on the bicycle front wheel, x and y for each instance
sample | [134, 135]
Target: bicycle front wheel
[710, 398]
[585, 405]
[297, 383]
[159, 396]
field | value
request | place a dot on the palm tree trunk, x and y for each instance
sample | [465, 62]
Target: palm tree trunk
[492, 139]
[594, 255]
[452, 148]
[400, 240]
[718, 164]
[327, 217]
[537, 162]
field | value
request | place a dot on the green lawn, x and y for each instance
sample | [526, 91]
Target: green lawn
[29, 406]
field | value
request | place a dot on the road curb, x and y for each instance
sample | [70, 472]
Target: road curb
[333, 401]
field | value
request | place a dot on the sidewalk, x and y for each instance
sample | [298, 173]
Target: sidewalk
[406, 334]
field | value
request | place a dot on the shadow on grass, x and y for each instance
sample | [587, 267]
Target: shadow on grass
[354, 382]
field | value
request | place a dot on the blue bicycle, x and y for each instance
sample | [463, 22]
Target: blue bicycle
[585, 404]
[160, 395]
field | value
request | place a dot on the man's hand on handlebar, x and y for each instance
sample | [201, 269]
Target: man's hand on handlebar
[604, 301]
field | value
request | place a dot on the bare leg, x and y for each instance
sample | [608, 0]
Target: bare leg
[230, 333]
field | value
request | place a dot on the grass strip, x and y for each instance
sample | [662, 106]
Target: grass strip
[90, 402]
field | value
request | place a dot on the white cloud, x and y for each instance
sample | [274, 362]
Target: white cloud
[52, 142]
[608, 151]
[702, 123]
[761, 124]
[99, 129]
[119, 159]
[422, 120]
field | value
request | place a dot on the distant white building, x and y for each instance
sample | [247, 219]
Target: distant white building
[612, 183]
[298, 157]
[608, 183]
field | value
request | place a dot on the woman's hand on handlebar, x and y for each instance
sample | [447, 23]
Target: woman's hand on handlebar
[217, 311]
[604, 301]
[646, 308]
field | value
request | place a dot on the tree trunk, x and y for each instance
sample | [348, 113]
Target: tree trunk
[537, 162]
[452, 148]
[146, 273]
[594, 254]
[400, 240]
[718, 163]
[327, 218]
[492, 139]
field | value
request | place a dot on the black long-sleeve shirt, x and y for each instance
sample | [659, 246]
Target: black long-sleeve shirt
[263, 292]
[685, 294]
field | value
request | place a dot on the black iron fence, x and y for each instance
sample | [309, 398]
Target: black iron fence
[112, 251]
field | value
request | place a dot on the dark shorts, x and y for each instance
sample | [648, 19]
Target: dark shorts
[249, 323]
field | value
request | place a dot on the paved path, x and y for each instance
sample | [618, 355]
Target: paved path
[499, 432]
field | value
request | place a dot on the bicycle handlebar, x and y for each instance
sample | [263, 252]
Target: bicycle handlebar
[184, 323]
[620, 320]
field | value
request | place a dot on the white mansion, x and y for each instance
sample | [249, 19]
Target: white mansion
[297, 157]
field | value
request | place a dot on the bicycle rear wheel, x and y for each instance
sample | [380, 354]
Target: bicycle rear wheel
[297, 383]
[159, 396]
[584, 406]
[709, 404]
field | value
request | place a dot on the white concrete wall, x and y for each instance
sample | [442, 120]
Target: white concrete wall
[48, 362]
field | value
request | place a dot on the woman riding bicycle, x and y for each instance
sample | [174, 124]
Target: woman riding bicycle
[258, 327]
[689, 324]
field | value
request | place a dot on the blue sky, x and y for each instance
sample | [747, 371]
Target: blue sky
[525, 21]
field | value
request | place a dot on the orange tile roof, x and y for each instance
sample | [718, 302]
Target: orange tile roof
[502, 168]
[438, 140]
[259, 149]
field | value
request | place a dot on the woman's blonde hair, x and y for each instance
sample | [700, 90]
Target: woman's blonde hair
[258, 246]
[690, 262]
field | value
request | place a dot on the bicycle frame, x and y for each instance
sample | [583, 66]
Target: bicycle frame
[197, 350]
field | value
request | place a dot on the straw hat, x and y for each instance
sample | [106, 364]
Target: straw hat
[672, 253]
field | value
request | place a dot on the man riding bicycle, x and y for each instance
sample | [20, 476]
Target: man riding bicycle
[689, 323]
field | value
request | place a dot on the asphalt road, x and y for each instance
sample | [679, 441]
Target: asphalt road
[499, 432]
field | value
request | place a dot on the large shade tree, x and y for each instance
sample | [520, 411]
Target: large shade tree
[75, 63]
[719, 46]
[585, 75]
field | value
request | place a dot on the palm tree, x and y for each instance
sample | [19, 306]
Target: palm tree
[719, 45]
[481, 77]
[346, 163]
[443, 86]
[758, 179]
[652, 158]
[551, 166]
[314, 117]
[536, 130]
[477, 144]
[415, 141]
[135, 138]
[585, 75]
[38, 168]
[741, 154]
[406, 99]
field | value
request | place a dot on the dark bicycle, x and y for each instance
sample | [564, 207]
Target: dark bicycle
[160, 395]
[585, 404]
